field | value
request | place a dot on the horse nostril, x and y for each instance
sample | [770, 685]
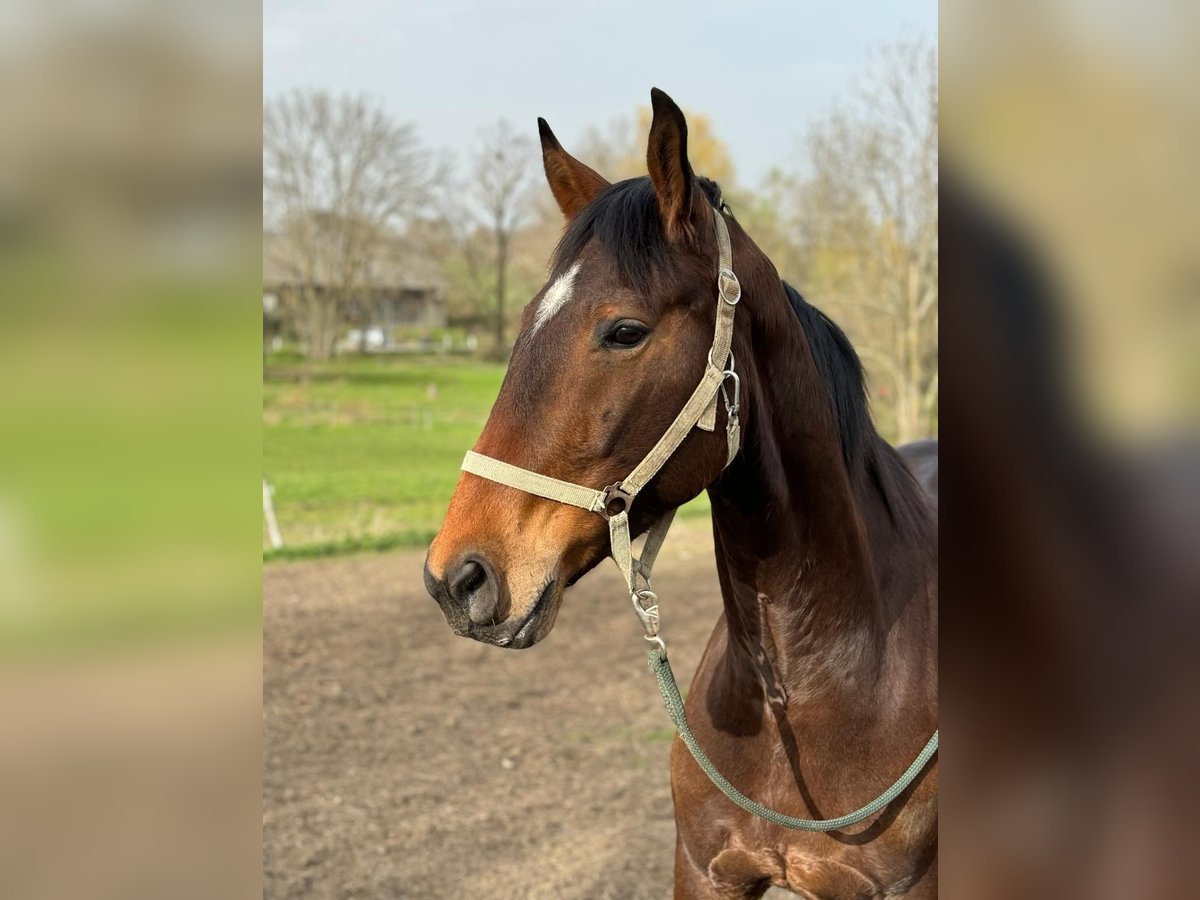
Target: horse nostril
[474, 578]
[474, 588]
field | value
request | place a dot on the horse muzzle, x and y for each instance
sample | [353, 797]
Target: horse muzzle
[476, 603]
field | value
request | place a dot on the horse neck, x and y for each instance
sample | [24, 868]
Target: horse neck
[815, 571]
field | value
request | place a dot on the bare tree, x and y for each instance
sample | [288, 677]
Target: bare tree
[868, 215]
[484, 214]
[339, 175]
[501, 176]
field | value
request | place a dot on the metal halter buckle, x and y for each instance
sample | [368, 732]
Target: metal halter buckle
[732, 407]
[729, 286]
[614, 501]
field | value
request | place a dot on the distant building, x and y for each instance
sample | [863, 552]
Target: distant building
[395, 297]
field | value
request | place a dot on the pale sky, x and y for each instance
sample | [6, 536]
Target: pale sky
[761, 69]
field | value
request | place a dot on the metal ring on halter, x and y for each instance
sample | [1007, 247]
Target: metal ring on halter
[732, 362]
[727, 277]
[614, 494]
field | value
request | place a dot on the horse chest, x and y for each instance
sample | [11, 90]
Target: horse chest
[741, 872]
[734, 855]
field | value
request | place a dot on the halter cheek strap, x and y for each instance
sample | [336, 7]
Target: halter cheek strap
[614, 501]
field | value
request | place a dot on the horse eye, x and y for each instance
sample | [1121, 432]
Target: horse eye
[627, 335]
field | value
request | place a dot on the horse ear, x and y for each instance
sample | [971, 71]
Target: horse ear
[573, 184]
[670, 171]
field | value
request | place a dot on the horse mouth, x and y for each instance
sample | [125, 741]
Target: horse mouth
[538, 621]
[529, 632]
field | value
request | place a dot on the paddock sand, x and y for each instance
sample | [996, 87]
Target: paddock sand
[402, 761]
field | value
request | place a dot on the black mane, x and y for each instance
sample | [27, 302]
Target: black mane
[626, 221]
[842, 372]
[869, 459]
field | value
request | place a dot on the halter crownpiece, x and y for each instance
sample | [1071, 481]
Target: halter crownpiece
[614, 501]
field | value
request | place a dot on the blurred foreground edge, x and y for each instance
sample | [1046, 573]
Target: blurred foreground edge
[1069, 667]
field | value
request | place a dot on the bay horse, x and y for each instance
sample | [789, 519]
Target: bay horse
[819, 683]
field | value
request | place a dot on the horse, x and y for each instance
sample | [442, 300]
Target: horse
[819, 682]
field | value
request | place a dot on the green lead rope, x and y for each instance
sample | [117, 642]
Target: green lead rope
[674, 703]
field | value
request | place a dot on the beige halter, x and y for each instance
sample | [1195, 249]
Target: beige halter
[614, 501]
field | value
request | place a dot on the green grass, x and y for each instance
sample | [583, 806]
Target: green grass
[363, 452]
[376, 544]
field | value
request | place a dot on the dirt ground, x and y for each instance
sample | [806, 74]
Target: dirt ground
[402, 761]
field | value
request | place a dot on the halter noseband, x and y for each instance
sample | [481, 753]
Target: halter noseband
[614, 501]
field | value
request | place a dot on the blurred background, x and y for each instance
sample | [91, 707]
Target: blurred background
[1071, 329]
[129, 441]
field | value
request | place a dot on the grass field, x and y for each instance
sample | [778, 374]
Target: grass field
[363, 452]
